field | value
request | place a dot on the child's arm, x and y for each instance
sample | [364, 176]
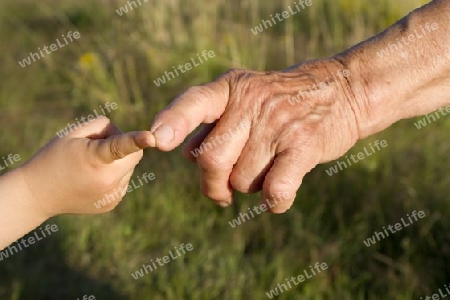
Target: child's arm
[67, 176]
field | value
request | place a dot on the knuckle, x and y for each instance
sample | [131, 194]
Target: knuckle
[244, 184]
[235, 73]
[115, 149]
[92, 157]
[238, 76]
[239, 182]
[197, 95]
[279, 189]
[212, 160]
[194, 90]
[277, 116]
[252, 87]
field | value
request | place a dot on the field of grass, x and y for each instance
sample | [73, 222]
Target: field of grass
[116, 59]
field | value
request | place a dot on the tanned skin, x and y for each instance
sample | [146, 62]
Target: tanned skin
[288, 133]
[285, 141]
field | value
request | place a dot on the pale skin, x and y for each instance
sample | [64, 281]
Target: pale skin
[67, 176]
[284, 142]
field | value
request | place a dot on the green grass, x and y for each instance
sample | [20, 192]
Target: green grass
[330, 219]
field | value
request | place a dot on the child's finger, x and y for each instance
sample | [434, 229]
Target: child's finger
[119, 146]
[99, 128]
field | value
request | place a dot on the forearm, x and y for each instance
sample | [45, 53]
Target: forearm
[18, 214]
[68, 176]
[404, 71]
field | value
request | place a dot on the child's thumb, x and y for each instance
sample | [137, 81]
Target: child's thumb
[119, 146]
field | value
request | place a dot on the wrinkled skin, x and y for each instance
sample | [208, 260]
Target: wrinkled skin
[288, 133]
[280, 142]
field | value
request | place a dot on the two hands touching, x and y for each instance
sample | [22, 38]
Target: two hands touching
[281, 143]
[297, 118]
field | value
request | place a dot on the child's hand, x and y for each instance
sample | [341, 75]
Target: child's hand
[68, 175]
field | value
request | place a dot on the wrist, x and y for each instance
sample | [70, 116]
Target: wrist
[403, 72]
[373, 107]
[19, 212]
[31, 197]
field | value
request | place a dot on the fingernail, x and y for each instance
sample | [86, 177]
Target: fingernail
[223, 204]
[145, 139]
[164, 134]
[151, 140]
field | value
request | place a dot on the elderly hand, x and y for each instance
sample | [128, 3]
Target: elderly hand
[266, 130]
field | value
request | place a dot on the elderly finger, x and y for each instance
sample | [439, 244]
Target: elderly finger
[200, 104]
[285, 177]
[196, 144]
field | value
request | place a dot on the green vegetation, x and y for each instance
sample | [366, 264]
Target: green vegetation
[117, 59]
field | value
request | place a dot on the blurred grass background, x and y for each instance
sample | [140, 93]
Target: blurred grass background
[117, 59]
